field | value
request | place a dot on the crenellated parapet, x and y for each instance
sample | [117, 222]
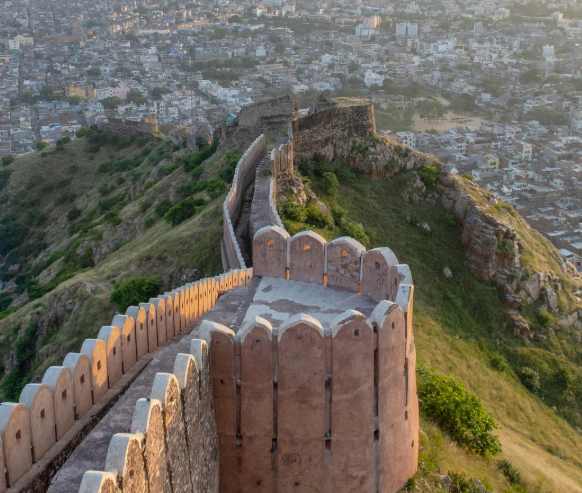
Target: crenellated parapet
[343, 263]
[47, 413]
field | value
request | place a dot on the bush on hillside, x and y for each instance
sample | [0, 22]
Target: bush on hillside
[428, 174]
[357, 232]
[317, 218]
[530, 379]
[293, 212]
[458, 412]
[183, 210]
[24, 353]
[330, 184]
[163, 207]
[464, 484]
[4, 175]
[511, 473]
[6, 160]
[135, 291]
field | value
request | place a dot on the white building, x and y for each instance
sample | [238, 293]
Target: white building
[548, 50]
[407, 139]
[407, 28]
[478, 28]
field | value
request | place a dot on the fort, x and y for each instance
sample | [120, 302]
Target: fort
[127, 128]
[295, 374]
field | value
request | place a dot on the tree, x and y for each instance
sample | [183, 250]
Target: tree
[374, 88]
[135, 96]
[74, 100]
[157, 92]
[546, 116]
[457, 105]
[431, 109]
[130, 36]
[532, 75]
[111, 103]
[46, 92]
[94, 71]
[353, 67]
[235, 19]
[330, 184]
[389, 86]
[41, 145]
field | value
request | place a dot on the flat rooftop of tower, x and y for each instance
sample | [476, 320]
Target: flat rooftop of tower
[278, 299]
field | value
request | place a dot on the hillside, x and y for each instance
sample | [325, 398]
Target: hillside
[462, 327]
[72, 261]
[80, 218]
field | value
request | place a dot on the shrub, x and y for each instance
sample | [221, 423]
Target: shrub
[330, 184]
[41, 145]
[457, 411]
[82, 132]
[74, 213]
[357, 232]
[338, 214]
[24, 353]
[317, 218]
[65, 140]
[545, 318]
[530, 379]
[163, 207]
[464, 484]
[135, 291]
[145, 205]
[149, 222]
[511, 473]
[183, 210]
[428, 174]
[64, 197]
[112, 217]
[4, 175]
[293, 212]
[6, 160]
[498, 362]
[449, 219]
[214, 187]
[467, 176]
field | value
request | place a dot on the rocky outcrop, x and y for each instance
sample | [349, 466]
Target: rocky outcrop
[60, 306]
[376, 156]
[492, 246]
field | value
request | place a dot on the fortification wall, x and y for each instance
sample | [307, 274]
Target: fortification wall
[314, 133]
[244, 175]
[269, 112]
[40, 432]
[300, 406]
[127, 128]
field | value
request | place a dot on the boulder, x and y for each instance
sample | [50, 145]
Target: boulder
[447, 273]
[512, 301]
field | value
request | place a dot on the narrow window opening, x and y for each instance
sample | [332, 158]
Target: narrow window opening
[328, 444]
[129, 338]
[344, 253]
[140, 326]
[393, 325]
[82, 379]
[357, 333]
[269, 242]
[99, 365]
[18, 436]
[376, 435]
[42, 414]
[64, 395]
[114, 351]
[306, 247]
[377, 265]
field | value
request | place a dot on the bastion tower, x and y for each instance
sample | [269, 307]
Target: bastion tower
[295, 375]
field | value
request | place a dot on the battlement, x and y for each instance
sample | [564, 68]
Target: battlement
[127, 128]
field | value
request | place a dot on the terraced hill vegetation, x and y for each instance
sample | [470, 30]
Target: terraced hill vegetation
[86, 216]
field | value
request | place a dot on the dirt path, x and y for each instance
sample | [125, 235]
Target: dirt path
[450, 121]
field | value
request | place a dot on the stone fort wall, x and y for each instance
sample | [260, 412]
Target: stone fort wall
[269, 112]
[243, 176]
[48, 412]
[127, 128]
[314, 133]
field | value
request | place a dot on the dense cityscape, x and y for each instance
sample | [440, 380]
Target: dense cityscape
[494, 90]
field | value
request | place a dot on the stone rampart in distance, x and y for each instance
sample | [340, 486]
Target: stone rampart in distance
[346, 119]
[243, 176]
[127, 128]
[269, 112]
[47, 412]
